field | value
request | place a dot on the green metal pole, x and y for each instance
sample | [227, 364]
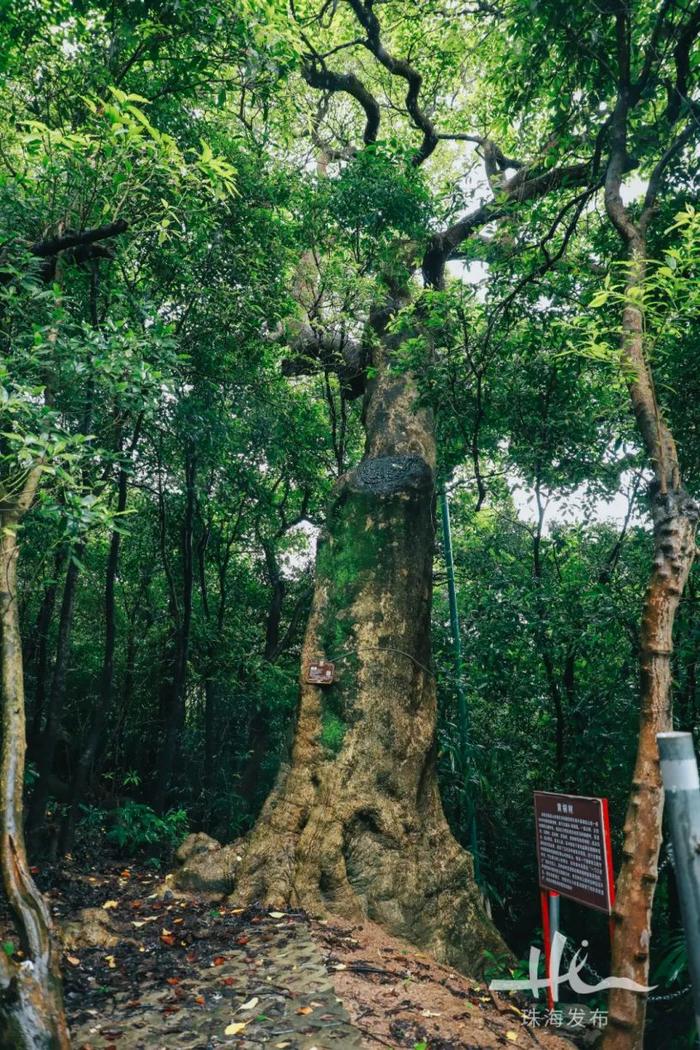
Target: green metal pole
[462, 707]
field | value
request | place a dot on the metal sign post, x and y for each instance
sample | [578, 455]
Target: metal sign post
[549, 902]
[679, 772]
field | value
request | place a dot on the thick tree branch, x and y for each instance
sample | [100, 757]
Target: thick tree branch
[681, 57]
[658, 33]
[317, 75]
[401, 68]
[74, 239]
[314, 350]
[492, 152]
[657, 175]
[525, 185]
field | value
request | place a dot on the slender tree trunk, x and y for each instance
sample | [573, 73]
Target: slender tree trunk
[210, 740]
[46, 748]
[38, 649]
[175, 707]
[249, 785]
[31, 1005]
[104, 705]
[210, 686]
[675, 517]
[355, 823]
[127, 692]
[541, 640]
[274, 609]
[47, 743]
[259, 734]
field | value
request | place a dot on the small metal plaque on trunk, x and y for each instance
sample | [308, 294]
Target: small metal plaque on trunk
[321, 673]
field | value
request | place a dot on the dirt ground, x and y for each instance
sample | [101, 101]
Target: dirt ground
[147, 970]
[399, 997]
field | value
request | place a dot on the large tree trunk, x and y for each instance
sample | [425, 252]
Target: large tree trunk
[675, 518]
[31, 1006]
[355, 823]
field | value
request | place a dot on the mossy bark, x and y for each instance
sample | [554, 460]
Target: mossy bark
[355, 823]
[31, 1003]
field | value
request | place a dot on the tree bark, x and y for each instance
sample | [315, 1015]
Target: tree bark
[355, 823]
[38, 651]
[174, 713]
[259, 732]
[104, 704]
[31, 1005]
[46, 748]
[675, 517]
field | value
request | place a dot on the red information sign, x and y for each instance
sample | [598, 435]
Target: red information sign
[573, 848]
[321, 673]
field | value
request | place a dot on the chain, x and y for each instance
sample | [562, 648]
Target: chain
[592, 972]
[670, 996]
[668, 859]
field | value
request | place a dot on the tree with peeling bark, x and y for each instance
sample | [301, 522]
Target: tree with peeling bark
[31, 1005]
[627, 82]
[54, 324]
[674, 512]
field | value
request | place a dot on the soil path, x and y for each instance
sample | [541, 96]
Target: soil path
[147, 970]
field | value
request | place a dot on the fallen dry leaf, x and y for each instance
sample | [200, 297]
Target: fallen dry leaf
[277, 914]
[251, 1004]
[72, 960]
[110, 904]
[513, 1036]
[219, 960]
[111, 962]
[235, 1028]
[305, 1010]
